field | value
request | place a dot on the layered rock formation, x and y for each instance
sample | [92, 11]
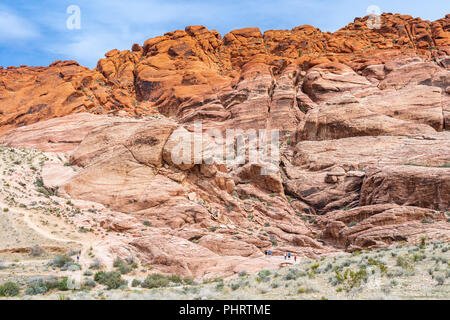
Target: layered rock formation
[245, 79]
[363, 113]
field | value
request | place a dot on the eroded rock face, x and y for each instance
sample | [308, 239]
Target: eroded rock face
[122, 165]
[56, 135]
[425, 187]
[247, 78]
[365, 150]
[406, 102]
[375, 226]
[329, 174]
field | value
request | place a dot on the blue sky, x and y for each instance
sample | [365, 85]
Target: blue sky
[34, 32]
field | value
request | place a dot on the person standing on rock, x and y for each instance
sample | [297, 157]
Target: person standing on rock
[295, 259]
[289, 255]
[285, 256]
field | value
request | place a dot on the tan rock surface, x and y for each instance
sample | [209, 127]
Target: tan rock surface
[363, 116]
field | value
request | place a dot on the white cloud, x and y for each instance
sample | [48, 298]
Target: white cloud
[14, 27]
[90, 46]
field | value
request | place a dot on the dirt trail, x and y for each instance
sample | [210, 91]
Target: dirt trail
[85, 245]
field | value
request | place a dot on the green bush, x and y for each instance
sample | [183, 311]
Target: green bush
[376, 263]
[314, 267]
[147, 223]
[9, 289]
[157, 280]
[406, 262]
[89, 283]
[112, 280]
[189, 281]
[61, 261]
[243, 273]
[136, 283]
[123, 266]
[62, 285]
[292, 274]
[235, 286]
[175, 279]
[36, 289]
[39, 183]
[350, 279]
[42, 287]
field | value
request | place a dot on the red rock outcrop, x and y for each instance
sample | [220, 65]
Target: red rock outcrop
[245, 79]
[374, 226]
[365, 150]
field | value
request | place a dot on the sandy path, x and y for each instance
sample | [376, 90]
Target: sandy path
[86, 245]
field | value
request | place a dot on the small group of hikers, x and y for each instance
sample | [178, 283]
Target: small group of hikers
[287, 255]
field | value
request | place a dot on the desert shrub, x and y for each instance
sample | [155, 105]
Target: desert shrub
[175, 279]
[89, 283]
[136, 283]
[155, 280]
[440, 280]
[35, 289]
[243, 273]
[219, 286]
[263, 276]
[41, 287]
[264, 273]
[189, 281]
[44, 191]
[60, 261]
[112, 280]
[328, 267]
[36, 251]
[350, 279]
[95, 265]
[9, 289]
[235, 286]
[346, 263]
[376, 263]
[63, 284]
[73, 267]
[406, 262]
[305, 289]
[396, 273]
[423, 240]
[147, 223]
[418, 257]
[275, 285]
[123, 266]
[292, 274]
[206, 281]
[39, 182]
[314, 267]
